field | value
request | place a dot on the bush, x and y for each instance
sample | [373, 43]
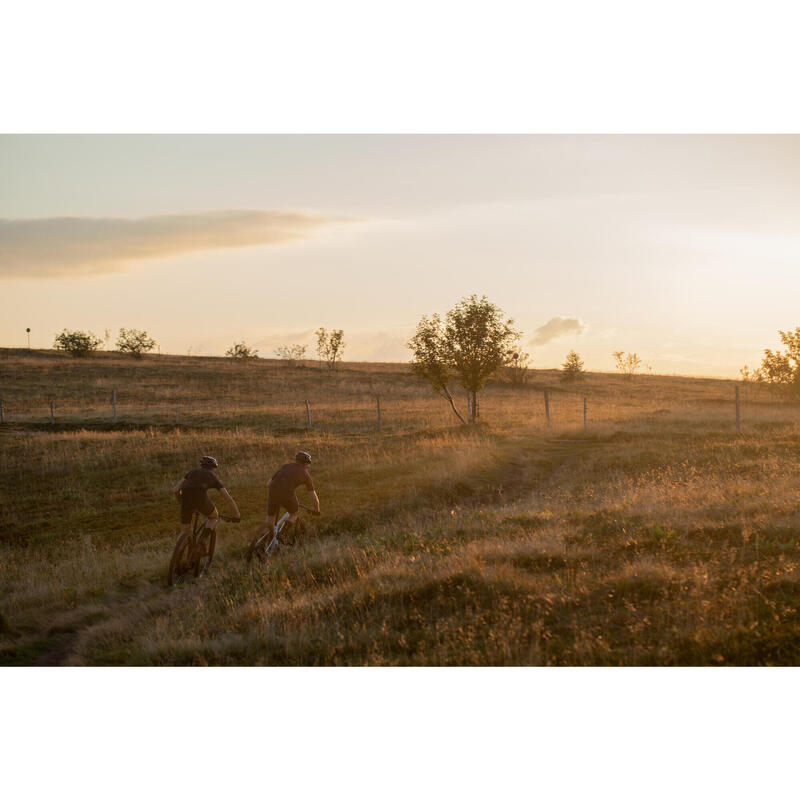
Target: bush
[241, 350]
[137, 343]
[291, 353]
[77, 343]
[626, 363]
[518, 366]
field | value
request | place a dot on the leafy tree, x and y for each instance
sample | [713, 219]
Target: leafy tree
[330, 346]
[137, 343]
[572, 368]
[517, 365]
[626, 363]
[780, 369]
[291, 353]
[241, 350]
[77, 343]
[473, 341]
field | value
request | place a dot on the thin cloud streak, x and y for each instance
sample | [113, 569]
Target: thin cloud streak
[556, 327]
[57, 247]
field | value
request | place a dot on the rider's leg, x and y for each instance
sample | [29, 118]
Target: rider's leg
[267, 525]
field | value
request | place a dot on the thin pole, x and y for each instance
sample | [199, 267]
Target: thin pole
[738, 412]
[469, 405]
[379, 412]
[308, 414]
[114, 403]
[52, 414]
[2, 418]
[28, 331]
[547, 406]
[584, 413]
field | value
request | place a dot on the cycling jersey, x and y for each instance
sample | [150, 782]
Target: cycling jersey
[282, 488]
[194, 495]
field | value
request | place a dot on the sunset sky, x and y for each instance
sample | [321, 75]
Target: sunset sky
[683, 249]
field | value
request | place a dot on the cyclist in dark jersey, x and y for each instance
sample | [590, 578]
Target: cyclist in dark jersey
[281, 491]
[192, 493]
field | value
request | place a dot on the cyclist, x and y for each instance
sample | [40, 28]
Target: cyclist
[192, 493]
[281, 491]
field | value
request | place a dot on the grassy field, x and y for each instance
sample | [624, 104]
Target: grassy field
[655, 535]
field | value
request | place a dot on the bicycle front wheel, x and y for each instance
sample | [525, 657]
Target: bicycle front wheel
[204, 550]
[180, 564]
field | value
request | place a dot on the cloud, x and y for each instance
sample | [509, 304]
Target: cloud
[556, 327]
[78, 246]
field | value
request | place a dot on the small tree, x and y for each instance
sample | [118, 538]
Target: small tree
[572, 368]
[137, 343]
[291, 353]
[77, 343]
[626, 363]
[517, 366]
[473, 341]
[241, 350]
[781, 370]
[330, 346]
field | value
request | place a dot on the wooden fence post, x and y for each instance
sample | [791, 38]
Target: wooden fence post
[379, 412]
[308, 414]
[469, 405]
[2, 418]
[547, 406]
[52, 414]
[114, 403]
[738, 412]
[585, 425]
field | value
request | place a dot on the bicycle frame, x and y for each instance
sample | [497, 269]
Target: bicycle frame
[276, 529]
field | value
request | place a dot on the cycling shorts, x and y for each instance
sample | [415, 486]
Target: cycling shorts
[196, 499]
[281, 497]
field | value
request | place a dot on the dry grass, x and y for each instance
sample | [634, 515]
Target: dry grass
[656, 536]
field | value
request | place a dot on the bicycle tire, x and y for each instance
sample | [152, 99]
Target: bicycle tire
[204, 550]
[180, 565]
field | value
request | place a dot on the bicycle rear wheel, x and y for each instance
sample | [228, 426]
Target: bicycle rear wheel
[180, 565]
[204, 550]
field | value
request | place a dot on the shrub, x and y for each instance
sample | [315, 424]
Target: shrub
[77, 343]
[517, 366]
[241, 350]
[137, 343]
[330, 346]
[291, 353]
[626, 363]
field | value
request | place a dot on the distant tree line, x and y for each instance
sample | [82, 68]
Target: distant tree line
[83, 343]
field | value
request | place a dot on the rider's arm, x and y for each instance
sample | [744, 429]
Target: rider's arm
[178, 486]
[314, 499]
[226, 494]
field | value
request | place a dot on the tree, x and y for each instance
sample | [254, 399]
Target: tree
[572, 368]
[330, 346]
[77, 343]
[517, 365]
[779, 369]
[291, 353]
[626, 363]
[241, 350]
[473, 341]
[137, 343]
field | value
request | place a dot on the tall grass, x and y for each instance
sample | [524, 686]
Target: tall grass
[655, 536]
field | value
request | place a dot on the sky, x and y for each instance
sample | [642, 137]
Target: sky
[683, 249]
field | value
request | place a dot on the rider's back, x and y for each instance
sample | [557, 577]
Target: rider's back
[292, 475]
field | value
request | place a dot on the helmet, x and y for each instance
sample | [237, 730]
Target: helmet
[209, 462]
[303, 458]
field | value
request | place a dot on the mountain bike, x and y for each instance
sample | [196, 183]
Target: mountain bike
[194, 550]
[264, 546]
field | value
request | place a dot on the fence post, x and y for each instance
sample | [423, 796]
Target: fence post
[308, 414]
[585, 425]
[114, 403]
[52, 414]
[469, 405]
[2, 418]
[547, 406]
[379, 412]
[738, 412]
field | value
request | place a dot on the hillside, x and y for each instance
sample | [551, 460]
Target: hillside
[652, 535]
